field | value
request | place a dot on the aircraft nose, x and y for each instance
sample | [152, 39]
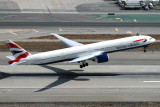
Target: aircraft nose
[153, 40]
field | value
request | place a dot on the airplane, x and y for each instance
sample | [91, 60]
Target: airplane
[76, 52]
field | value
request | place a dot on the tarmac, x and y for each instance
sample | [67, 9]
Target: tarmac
[67, 6]
[63, 83]
[21, 33]
[131, 76]
[127, 77]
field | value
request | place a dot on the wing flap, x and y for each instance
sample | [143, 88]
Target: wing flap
[86, 57]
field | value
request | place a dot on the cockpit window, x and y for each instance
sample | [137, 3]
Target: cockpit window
[150, 38]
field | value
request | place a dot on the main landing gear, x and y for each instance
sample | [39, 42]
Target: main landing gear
[83, 64]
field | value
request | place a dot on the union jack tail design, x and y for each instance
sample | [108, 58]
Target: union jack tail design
[17, 52]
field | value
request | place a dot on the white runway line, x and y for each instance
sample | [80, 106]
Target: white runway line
[60, 29]
[35, 30]
[116, 29]
[13, 33]
[151, 81]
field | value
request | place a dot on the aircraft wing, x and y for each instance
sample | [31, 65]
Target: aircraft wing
[67, 42]
[86, 57]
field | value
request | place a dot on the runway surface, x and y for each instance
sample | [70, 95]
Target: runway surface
[132, 76]
[127, 77]
[64, 83]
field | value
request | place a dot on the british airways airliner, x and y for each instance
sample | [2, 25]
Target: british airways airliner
[77, 52]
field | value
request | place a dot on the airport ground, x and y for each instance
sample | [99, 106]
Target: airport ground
[67, 6]
[83, 104]
[21, 33]
[127, 77]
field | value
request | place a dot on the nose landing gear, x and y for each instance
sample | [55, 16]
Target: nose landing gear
[145, 48]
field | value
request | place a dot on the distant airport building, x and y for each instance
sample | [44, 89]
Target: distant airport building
[138, 4]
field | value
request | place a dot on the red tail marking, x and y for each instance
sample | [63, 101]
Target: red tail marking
[11, 45]
[16, 60]
[19, 57]
[23, 55]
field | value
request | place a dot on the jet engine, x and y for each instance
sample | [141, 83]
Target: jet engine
[146, 7]
[151, 5]
[102, 58]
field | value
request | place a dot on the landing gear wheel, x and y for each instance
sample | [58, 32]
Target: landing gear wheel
[84, 65]
[145, 48]
[81, 66]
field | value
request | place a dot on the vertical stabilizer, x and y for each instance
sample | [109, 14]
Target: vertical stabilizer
[16, 50]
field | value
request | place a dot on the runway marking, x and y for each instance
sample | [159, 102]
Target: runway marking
[102, 16]
[128, 32]
[151, 81]
[15, 30]
[135, 20]
[116, 29]
[35, 30]
[13, 33]
[119, 19]
[60, 30]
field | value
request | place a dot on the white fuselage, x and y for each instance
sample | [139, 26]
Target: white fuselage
[79, 51]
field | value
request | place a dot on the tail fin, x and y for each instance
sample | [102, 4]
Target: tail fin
[16, 50]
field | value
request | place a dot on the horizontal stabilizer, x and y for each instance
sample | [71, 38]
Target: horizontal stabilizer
[11, 57]
[14, 62]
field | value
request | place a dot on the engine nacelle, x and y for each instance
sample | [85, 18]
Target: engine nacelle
[102, 58]
[151, 6]
[146, 7]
